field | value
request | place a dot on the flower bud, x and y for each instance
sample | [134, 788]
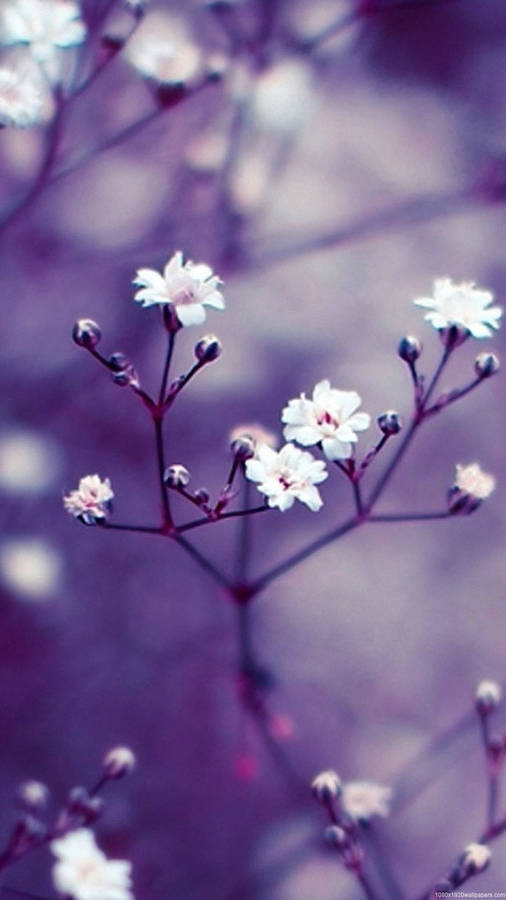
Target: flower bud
[453, 336]
[120, 761]
[390, 423]
[486, 364]
[33, 794]
[176, 476]
[475, 859]
[118, 362]
[336, 836]
[243, 447]
[409, 349]
[202, 496]
[208, 349]
[488, 696]
[29, 829]
[326, 786]
[86, 333]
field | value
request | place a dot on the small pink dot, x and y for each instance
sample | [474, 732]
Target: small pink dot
[246, 767]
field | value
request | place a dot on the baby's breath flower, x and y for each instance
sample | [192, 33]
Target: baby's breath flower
[118, 762]
[488, 696]
[326, 785]
[287, 475]
[329, 419]
[83, 872]
[163, 51]
[461, 305]
[363, 800]
[21, 100]
[92, 500]
[44, 25]
[471, 487]
[187, 287]
[475, 858]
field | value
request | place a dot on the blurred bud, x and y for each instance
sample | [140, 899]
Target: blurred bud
[495, 751]
[336, 836]
[390, 422]
[120, 761]
[176, 476]
[31, 829]
[409, 349]
[243, 447]
[472, 486]
[202, 496]
[33, 794]
[93, 809]
[86, 333]
[217, 66]
[486, 364]
[488, 696]
[137, 7]
[169, 95]
[112, 43]
[475, 859]
[78, 800]
[118, 362]
[208, 349]
[326, 786]
[453, 336]
[124, 373]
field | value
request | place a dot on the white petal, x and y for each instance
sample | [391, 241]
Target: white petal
[191, 314]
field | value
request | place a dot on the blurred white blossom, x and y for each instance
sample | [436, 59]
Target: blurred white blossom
[474, 481]
[28, 462]
[163, 50]
[21, 99]
[476, 858]
[91, 501]
[283, 96]
[187, 287]
[330, 418]
[287, 475]
[462, 304]
[363, 800]
[30, 568]
[83, 872]
[45, 26]
[255, 431]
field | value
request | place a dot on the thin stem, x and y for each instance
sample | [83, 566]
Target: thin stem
[166, 368]
[445, 401]
[160, 460]
[357, 495]
[202, 560]
[410, 517]
[260, 583]
[491, 773]
[366, 885]
[144, 529]
[244, 538]
[181, 382]
[235, 514]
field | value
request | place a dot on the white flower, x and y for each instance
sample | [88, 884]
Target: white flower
[475, 858]
[330, 418]
[91, 501]
[83, 872]
[45, 25]
[21, 100]
[461, 304]
[287, 475]
[364, 799]
[30, 568]
[473, 481]
[488, 696]
[187, 287]
[163, 50]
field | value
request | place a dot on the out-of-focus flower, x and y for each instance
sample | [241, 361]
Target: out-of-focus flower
[163, 50]
[475, 858]
[33, 794]
[83, 872]
[30, 568]
[330, 418]
[472, 486]
[44, 25]
[118, 762]
[488, 696]
[363, 800]
[22, 103]
[92, 500]
[462, 305]
[28, 462]
[326, 785]
[187, 287]
[287, 475]
[283, 96]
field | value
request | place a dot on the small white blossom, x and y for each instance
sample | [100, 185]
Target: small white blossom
[44, 25]
[118, 762]
[463, 305]
[22, 104]
[91, 501]
[83, 872]
[488, 696]
[363, 800]
[475, 858]
[30, 568]
[330, 418]
[326, 785]
[163, 50]
[33, 794]
[287, 475]
[187, 287]
[472, 480]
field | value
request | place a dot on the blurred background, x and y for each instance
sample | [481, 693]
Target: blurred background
[338, 158]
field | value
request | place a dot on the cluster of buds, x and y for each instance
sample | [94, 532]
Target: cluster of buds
[473, 860]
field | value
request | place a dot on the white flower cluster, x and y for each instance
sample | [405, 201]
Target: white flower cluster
[463, 305]
[360, 800]
[83, 872]
[163, 51]
[91, 501]
[21, 99]
[186, 287]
